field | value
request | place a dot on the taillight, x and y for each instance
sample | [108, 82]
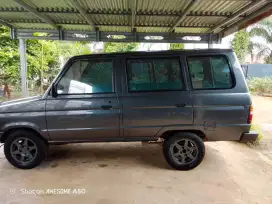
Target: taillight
[250, 116]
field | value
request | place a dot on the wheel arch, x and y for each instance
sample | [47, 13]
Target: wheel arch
[8, 131]
[169, 133]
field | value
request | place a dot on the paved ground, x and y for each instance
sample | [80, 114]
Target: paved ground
[132, 173]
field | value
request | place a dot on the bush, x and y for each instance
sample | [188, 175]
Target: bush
[260, 85]
[258, 129]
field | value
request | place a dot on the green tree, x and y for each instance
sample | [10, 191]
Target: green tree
[70, 49]
[263, 29]
[176, 46]
[9, 58]
[42, 57]
[240, 44]
[120, 47]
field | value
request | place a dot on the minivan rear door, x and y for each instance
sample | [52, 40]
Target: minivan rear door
[220, 101]
[155, 97]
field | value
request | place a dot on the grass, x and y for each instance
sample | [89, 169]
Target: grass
[260, 85]
[258, 129]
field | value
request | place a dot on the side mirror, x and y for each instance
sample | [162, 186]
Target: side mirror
[54, 91]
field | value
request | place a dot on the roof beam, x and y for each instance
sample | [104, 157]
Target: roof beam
[83, 13]
[36, 13]
[124, 13]
[133, 13]
[242, 11]
[129, 37]
[255, 16]
[5, 23]
[110, 24]
[184, 14]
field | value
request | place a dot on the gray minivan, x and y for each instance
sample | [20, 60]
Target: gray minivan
[181, 98]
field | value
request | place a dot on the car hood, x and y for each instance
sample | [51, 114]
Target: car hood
[20, 105]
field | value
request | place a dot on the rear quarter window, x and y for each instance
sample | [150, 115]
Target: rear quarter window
[210, 72]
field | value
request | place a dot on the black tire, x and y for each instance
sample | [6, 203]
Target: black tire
[40, 150]
[175, 161]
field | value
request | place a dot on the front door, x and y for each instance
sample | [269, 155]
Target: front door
[87, 107]
[155, 98]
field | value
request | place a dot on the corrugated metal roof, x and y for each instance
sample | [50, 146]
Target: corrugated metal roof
[192, 30]
[9, 3]
[32, 25]
[72, 17]
[76, 27]
[162, 6]
[120, 5]
[219, 6]
[155, 20]
[116, 15]
[115, 28]
[49, 3]
[17, 16]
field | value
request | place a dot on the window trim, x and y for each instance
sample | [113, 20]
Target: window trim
[72, 61]
[210, 56]
[152, 60]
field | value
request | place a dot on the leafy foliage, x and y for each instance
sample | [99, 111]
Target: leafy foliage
[176, 46]
[240, 44]
[9, 57]
[260, 85]
[120, 47]
[42, 57]
[264, 30]
[69, 49]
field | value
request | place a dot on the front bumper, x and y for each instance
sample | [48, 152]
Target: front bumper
[1, 133]
[249, 136]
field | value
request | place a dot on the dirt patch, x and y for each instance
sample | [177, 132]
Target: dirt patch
[103, 165]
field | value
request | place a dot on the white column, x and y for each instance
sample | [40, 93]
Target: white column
[24, 83]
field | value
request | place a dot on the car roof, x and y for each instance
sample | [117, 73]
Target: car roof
[166, 52]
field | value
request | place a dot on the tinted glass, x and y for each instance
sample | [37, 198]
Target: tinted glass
[210, 72]
[221, 72]
[86, 77]
[154, 75]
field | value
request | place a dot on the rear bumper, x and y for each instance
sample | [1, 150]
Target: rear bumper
[249, 136]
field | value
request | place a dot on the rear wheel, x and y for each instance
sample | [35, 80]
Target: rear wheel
[184, 151]
[24, 149]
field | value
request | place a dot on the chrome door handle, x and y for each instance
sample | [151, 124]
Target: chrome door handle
[180, 105]
[106, 107]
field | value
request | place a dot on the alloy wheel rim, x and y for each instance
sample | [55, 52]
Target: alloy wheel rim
[184, 151]
[23, 150]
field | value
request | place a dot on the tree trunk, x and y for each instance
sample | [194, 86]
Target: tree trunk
[6, 91]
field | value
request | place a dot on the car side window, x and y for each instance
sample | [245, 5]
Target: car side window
[210, 72]
[154, 75]
[87, 77]
[221, 72]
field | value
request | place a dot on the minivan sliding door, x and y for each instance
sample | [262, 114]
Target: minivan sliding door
[154, 97]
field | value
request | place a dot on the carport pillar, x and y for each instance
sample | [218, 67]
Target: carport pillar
[210, 42]
[23, 63]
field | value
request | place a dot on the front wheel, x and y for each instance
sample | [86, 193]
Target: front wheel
[24, 149]
[184, 151]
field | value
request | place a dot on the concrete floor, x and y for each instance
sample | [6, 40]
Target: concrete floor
[131, 173]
